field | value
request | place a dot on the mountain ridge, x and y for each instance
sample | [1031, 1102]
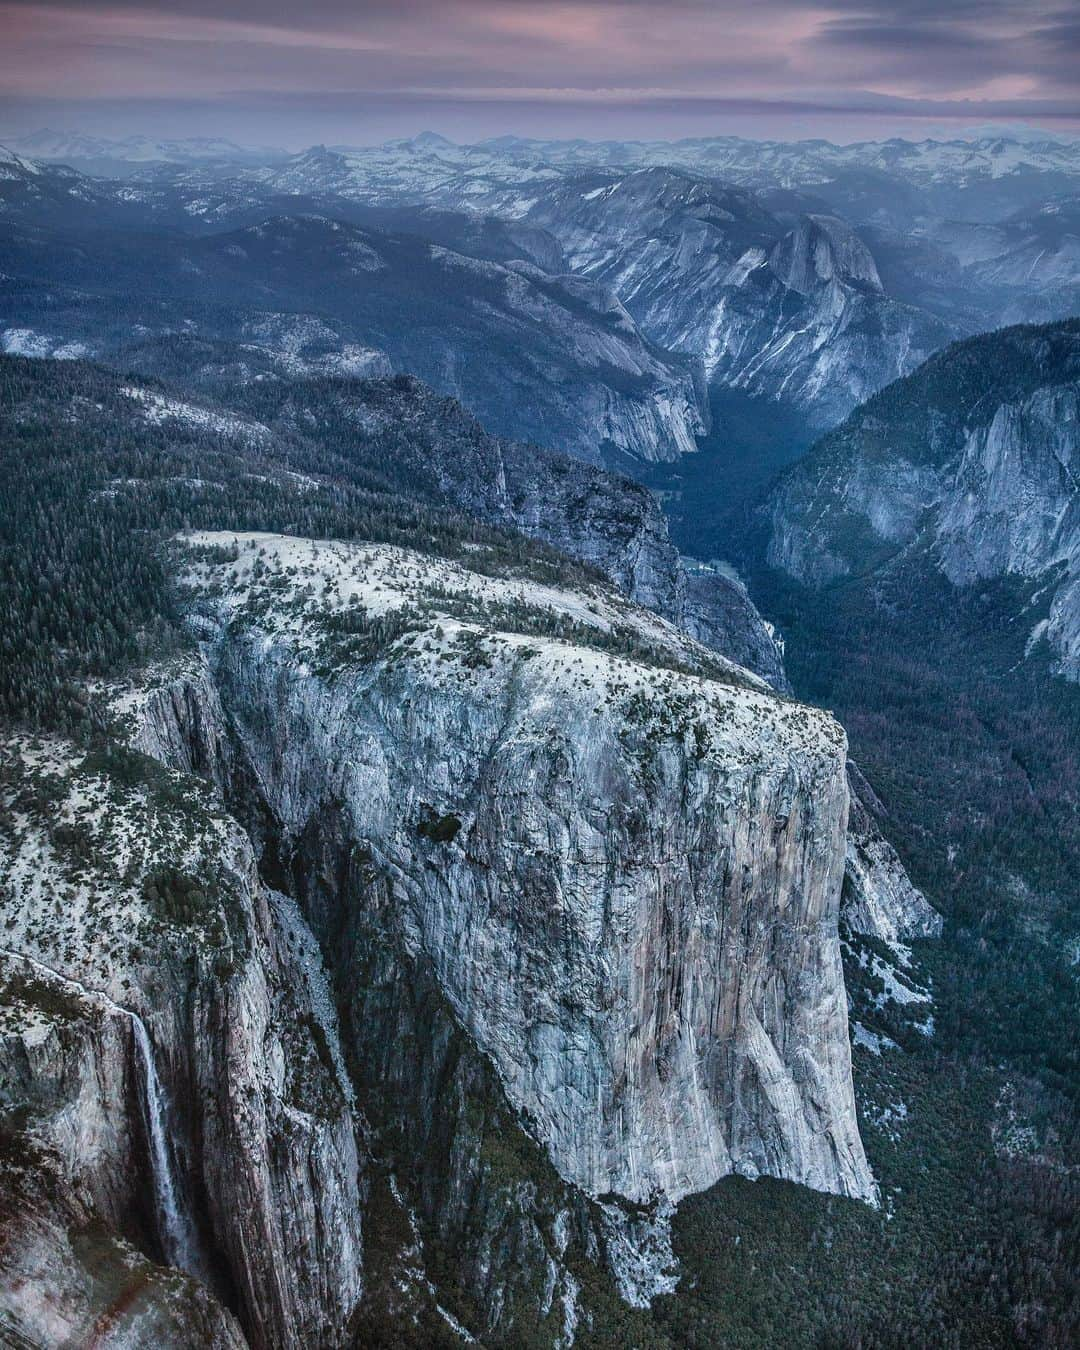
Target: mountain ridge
[968, 465]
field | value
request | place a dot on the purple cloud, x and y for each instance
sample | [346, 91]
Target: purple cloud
[685, 60]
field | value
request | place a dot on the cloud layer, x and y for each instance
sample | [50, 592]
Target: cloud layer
[501, 64]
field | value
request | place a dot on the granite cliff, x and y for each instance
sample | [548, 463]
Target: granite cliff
[966, 469]
[421, 918]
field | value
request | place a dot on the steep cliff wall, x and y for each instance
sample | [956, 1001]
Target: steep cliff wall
[1012, 507]
[166, 1046]
[879, 900]
[969, 468]
[391, 961]
[624, 878]
[576, 880]
[618, 526]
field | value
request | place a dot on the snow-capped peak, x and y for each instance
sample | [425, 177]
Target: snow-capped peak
[11, 163]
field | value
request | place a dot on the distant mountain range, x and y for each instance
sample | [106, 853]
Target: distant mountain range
[795, 278]
[553, 359]
[97, 154]
[988, 156]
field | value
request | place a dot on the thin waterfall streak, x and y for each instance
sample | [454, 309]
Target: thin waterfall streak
[174, 1228]
[175, 1231]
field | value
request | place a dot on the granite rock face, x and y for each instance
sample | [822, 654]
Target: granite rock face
[785, 312]
[809, 323]
[625, 880]
[715, 607]
[64, 1281]
[968, 468]
[399, 954]
[1012, 507]
[562, 875]
[165, 1053]
[879, 899]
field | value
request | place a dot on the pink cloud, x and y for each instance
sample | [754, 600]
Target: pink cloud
[586, 51]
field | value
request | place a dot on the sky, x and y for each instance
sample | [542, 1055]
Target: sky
[296, 72]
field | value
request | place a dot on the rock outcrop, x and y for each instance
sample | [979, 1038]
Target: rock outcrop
[549, 826]
[168, 1049]
[609, 521]
[879, 900]
[618, 526]
[968, 468]
[792, 314]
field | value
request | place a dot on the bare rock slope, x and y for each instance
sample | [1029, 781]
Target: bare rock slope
[967, 468]
[625, 877]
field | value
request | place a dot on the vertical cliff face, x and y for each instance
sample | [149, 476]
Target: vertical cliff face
[576, 880]
[790, 314]
[624, 880]
[808, 323]
[289, 1166]
[165, 1046]
[716, 608]
[823, 249]
[1013, 507]
[967, 468]
[879, 900]
[65, 1279]
[390, 963]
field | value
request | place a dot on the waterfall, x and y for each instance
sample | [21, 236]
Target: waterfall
[174, 1227]
[175, 1232]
